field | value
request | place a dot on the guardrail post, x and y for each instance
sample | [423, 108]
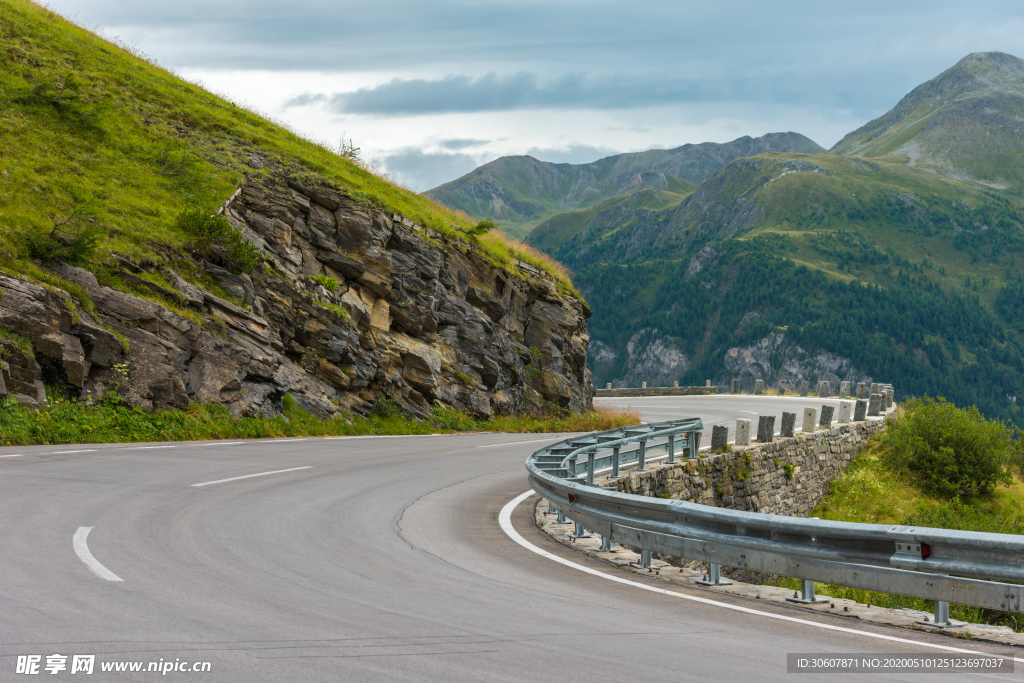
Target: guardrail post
[692, 445]
[807, 594]
[590, 467]
[671, 448]
[551, 508]
[580, 532]
[714, 577]
[606, 545]
[942, 619]
[561, 519]
[615, 462]
[645, 561]
[642, 456]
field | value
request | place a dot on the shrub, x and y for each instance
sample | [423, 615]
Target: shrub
[328, 283]
[386, 408]
[950, 451]
[68, 246]
[213, 237]
[483, 227]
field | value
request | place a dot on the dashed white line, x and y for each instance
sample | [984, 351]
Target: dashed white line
[279, 441]
[249, 476]
[148, 448]
[505, 521]
[14, 455]
[221, 443]
[86, 450]
[82, 550]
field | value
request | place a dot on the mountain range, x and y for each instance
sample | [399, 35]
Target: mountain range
[521, 191]
[898, 254]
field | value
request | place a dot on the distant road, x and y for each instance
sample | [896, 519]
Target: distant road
[721, 409]
[364, 559]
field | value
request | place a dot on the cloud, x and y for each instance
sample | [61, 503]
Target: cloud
[421, 171]
[570, 154]
[493, 92]
[461, 143]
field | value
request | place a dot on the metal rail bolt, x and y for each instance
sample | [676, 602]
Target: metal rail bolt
[942, 619]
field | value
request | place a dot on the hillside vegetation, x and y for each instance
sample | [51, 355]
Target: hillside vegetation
[522, 191]
[959, 451]
[93, 136]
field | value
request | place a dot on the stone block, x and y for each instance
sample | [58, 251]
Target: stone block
[788, 423]
[675, 385]
[810, 420]
[875, 405]
[805, 388]
[860, 411]
[844, 411]
[758, 387]
[844, 390]
[782, 388]
[888, 398]
[766, 428]
[720, 437]
[826, 416]
[608, 385]
[824, 389]
[735, 388]
[643, 385]
[862, 390]
[742, 432]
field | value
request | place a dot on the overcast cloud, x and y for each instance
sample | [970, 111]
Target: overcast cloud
[429, 90]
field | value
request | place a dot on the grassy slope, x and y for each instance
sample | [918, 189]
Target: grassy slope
[870, 493]
[557, 229]
[802, 205]
[128, 145]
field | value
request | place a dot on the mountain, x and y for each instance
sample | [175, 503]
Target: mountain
[163, 246]
[966, 123]
[521, 191]
[832, 266]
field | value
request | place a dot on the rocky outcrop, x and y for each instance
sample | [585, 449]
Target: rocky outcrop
[774, 358]
[406, 313]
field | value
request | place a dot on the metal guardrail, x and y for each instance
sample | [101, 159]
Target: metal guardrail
[937, 564]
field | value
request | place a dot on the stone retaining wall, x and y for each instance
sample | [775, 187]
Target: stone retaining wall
[786, 477]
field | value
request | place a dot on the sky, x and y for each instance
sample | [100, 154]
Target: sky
[429, 90]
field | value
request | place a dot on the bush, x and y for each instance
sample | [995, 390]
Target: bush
[386, 408]
[950, 451]
[213, 237]
[328, 283]
[74, 247]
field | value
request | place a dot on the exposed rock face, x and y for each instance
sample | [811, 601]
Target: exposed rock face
[773, 359]
[415, 317]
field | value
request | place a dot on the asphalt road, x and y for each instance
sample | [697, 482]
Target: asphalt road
[381, 560]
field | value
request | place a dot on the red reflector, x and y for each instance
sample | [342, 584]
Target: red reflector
[926, 550]
[572, 498]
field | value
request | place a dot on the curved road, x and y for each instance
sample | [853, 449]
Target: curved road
[380, 559]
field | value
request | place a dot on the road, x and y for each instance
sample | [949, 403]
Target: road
[380, 559]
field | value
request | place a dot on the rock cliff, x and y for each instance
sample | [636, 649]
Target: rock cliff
[401, 312]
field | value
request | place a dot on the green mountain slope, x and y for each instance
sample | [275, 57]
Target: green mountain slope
[522, 191]
[965, 123]
[92, 135]
[828, 267]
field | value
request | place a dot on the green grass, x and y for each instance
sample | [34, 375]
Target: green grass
[21, 343]
[69, 422]
[871, 493]
[94, 135]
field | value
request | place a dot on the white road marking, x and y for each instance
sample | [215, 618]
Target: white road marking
[15, 455]
[145, 448]
[221, 443]
[381, 436]
[505, 520]
[86, 450]
[249, 476]
[513, 443]
[273, 441]
[82, 550]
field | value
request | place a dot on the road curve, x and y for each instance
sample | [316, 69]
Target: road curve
[381, 559]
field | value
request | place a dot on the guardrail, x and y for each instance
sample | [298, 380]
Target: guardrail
[937, 564]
